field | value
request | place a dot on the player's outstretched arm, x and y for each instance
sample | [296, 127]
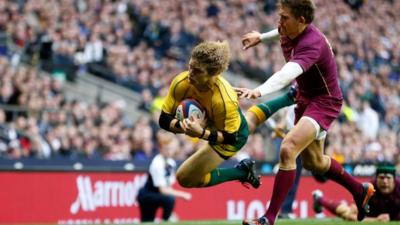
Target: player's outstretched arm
[270, 36]
[276, 82]
[280, 79]
[254, 38]
[382, 218]
[168, 190]
[247, 93]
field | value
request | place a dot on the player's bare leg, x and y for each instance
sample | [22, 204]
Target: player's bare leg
[252, 121]
[340, 209]
[314, 159]
[293, 144]
[347, 212]
[193, 170]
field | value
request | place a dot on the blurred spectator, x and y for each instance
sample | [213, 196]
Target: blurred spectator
[143, 44]
[368, 121]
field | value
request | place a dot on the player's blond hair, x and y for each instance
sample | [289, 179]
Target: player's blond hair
[213, 55]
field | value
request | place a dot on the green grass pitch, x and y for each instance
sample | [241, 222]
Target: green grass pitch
[279, 222]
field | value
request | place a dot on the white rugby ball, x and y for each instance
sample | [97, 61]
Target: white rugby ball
[190, 108]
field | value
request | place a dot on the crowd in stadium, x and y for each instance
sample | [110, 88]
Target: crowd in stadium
[142, 44]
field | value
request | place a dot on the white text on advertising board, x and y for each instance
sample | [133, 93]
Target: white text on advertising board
[105, 193]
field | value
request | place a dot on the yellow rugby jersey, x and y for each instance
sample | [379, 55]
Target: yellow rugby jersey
[220, 102]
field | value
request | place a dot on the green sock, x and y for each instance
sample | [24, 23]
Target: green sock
[221, 175]
[270, 107]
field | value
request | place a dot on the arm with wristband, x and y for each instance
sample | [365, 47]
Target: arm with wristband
[193, 128]
[170, 123]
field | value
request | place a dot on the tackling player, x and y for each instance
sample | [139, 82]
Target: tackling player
[384, 205]
[311, 62]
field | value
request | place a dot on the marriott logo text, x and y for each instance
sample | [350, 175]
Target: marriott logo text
[105, 193]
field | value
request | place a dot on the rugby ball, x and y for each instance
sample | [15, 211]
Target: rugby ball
[190, 108]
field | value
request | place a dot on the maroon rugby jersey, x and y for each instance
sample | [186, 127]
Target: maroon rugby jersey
[312, 51]
[390, 203]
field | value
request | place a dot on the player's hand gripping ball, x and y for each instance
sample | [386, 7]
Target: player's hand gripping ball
[191, 109]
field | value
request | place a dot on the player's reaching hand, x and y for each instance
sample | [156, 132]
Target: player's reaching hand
[202, 119]
[251, 39]
[384, 217]
[247, 93]
[192, 127]
[187, 196]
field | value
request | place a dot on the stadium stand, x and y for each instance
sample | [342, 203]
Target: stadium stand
[141, 45]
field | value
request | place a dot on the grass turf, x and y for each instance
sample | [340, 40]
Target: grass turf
[279, 222]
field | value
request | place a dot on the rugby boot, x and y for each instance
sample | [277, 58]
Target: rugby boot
[251, 178]
[362, 203]
[317, 194]
[260, 221]
[293, 91]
